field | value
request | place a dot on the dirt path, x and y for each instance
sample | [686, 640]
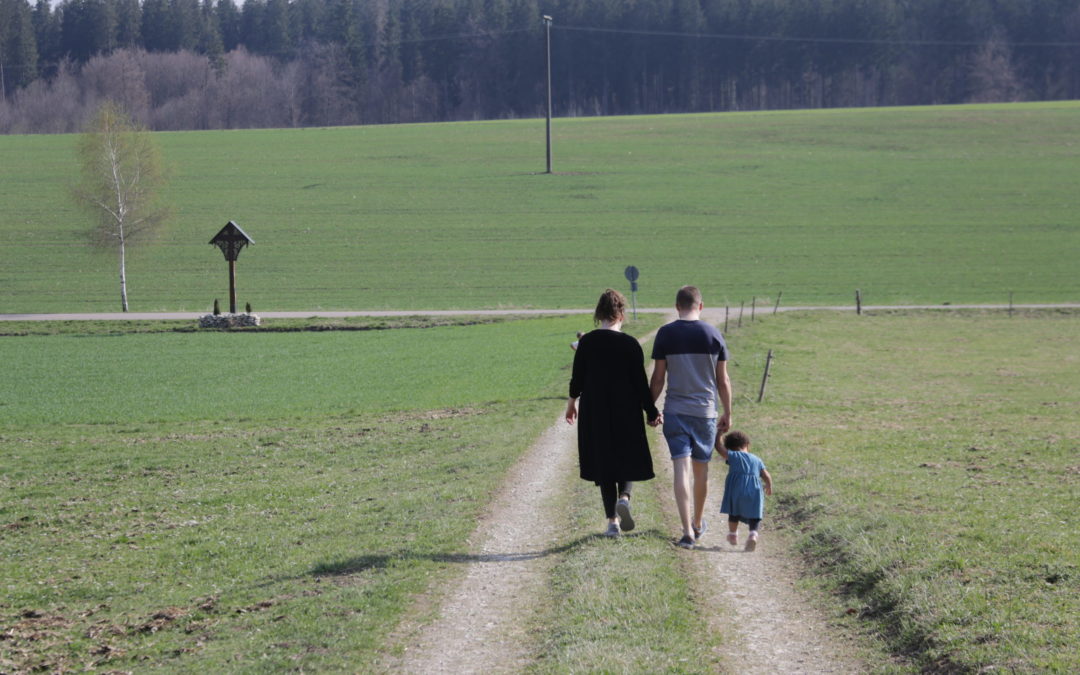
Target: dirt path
[481, 622]
[769, 625]
[480, 628]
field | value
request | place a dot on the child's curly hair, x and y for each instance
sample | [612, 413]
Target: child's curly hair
[736, 440]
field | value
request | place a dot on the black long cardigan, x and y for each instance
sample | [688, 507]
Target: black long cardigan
[609, 376]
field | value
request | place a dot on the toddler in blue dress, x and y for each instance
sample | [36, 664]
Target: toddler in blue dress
[744, 496]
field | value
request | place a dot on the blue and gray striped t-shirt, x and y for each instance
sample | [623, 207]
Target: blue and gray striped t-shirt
[691, 349]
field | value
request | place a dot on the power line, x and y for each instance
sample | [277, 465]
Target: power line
[459, 36]
[809, 39]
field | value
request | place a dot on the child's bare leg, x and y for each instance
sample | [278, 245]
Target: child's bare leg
[733, 527]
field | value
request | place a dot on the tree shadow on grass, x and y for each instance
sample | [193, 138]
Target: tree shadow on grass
[374, 561]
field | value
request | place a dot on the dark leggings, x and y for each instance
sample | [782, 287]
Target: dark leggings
[610, 493]
[752, 522]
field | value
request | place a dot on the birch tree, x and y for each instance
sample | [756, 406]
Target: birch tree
[121, 173]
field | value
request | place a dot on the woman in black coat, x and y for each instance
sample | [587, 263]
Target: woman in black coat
[609, 379]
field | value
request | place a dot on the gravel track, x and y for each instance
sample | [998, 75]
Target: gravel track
[481, 624]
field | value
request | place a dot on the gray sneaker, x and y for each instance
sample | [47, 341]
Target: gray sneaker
[703, 530]
[685, 542]
[612, 530]
[626, 521]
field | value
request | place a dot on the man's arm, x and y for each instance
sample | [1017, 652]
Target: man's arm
[656, 382]
[723, 386]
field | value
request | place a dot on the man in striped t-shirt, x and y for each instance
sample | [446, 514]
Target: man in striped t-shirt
[691, 355]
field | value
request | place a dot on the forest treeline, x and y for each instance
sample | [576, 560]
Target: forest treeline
[207, 64]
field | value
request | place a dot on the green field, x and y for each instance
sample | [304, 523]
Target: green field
[930, 205]
[261, 500]
[927, 461]
[167, 516]
[172, 377]
[931, 464]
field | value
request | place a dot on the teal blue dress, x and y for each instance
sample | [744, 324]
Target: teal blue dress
[744, 496]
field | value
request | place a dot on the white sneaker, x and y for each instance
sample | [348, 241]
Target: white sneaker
[626, 521]
[751, 541]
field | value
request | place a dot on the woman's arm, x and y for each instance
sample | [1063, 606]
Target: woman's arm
[577, 382]
[645, 396]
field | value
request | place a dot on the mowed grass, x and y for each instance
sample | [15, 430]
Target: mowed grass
[625, 605]
[931, 463]
[162, 521]
[961, 204]
[210, 375]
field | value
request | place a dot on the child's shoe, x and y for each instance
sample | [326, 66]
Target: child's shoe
[751, 542]
[733, 538]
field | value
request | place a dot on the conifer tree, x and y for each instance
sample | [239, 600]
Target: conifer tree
[228, 23]
[128, 24]
[18, 46]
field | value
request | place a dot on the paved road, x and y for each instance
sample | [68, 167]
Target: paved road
[140, 316]
[712, 312]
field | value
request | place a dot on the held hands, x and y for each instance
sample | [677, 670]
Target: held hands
[658, 421]
[723, 425]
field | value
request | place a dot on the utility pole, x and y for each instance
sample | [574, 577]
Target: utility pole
[547, 30]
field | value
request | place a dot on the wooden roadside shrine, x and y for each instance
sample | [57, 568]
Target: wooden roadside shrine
[231, 239]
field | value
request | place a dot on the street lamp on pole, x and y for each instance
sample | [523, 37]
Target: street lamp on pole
[547, 30]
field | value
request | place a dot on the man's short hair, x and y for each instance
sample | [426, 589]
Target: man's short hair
[688, 297]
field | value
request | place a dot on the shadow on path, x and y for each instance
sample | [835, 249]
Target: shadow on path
[363, 563]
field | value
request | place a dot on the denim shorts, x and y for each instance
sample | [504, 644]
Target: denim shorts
[689, 436]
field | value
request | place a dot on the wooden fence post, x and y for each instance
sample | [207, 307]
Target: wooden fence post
[765, 377]
[858, 302]
[777, 305]
[727, 313]
[1010, 303]
[742, 306]
[753, 308]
